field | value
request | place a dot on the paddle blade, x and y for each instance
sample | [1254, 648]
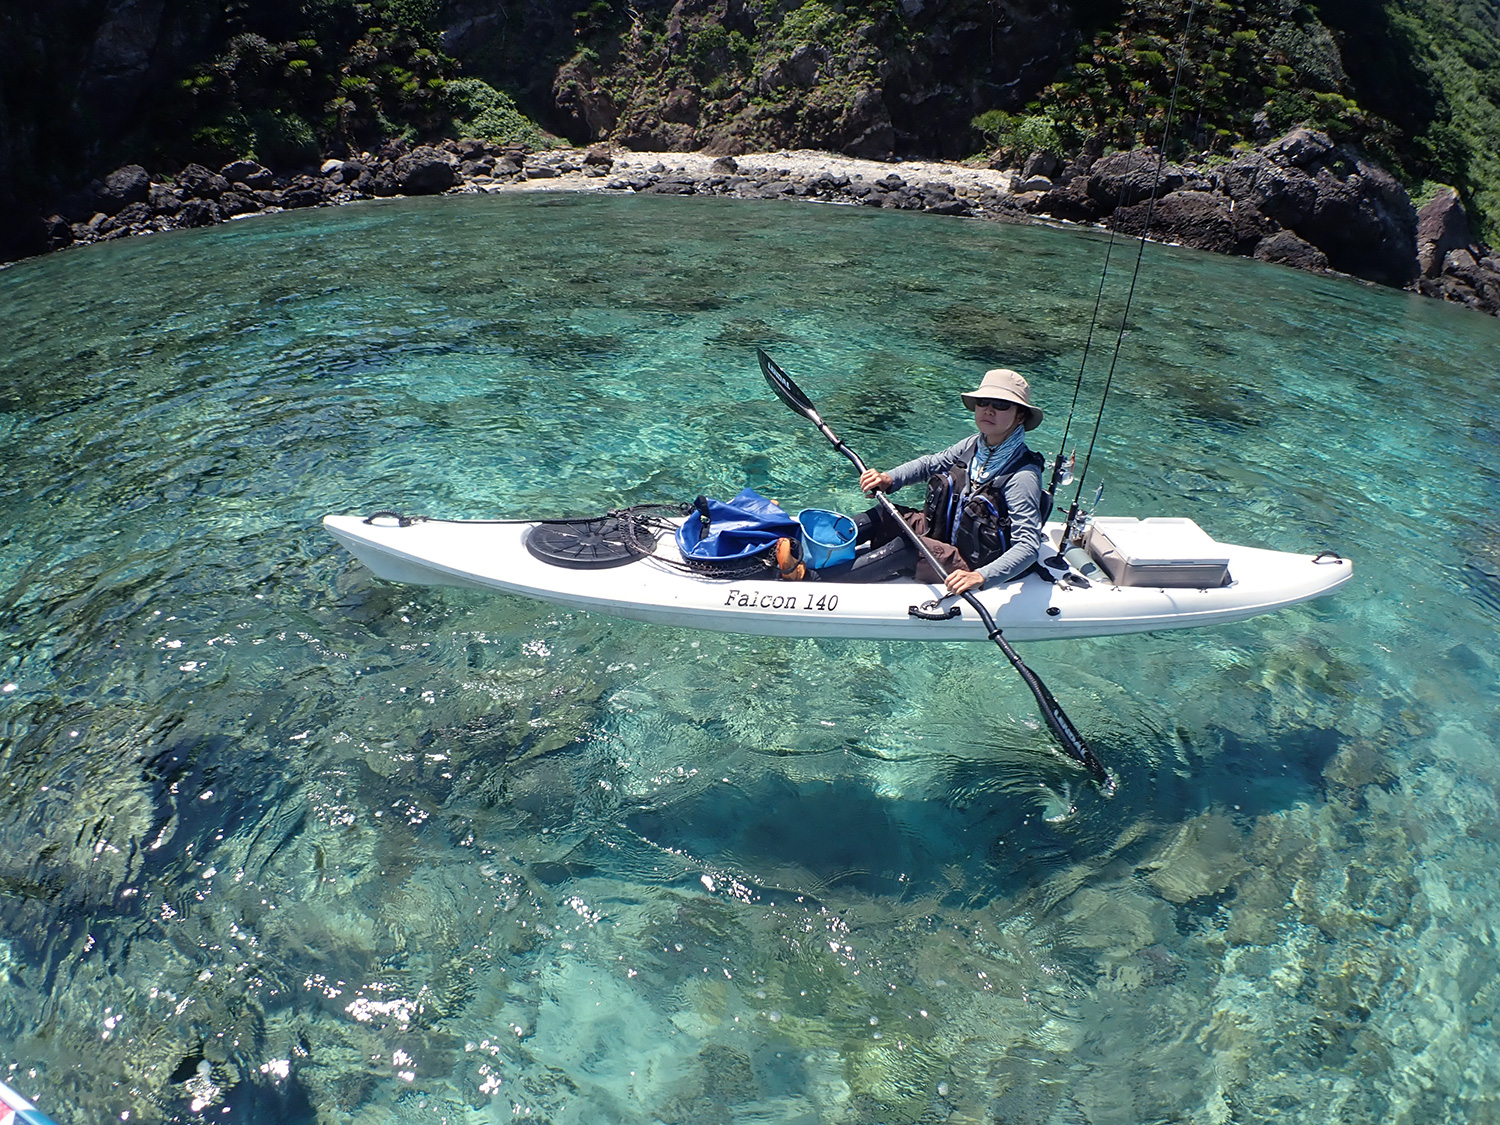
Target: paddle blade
[786, 390]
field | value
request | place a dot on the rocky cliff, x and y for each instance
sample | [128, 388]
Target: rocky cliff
[144, 84]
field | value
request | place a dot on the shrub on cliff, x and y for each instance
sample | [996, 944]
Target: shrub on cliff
[487, 114]
[1020, 135]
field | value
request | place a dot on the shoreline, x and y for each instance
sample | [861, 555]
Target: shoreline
[1221, 209]
[784, 164]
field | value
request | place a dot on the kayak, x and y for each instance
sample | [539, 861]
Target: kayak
[16, 1110]
[1130, 576]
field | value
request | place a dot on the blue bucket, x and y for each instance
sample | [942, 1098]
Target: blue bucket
[827, 538]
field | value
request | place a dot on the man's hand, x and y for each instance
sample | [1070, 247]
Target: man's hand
[962, 581]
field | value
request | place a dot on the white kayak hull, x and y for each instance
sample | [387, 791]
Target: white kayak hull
[492, 556]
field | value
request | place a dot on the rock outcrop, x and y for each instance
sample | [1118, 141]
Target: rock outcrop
[1300, 201]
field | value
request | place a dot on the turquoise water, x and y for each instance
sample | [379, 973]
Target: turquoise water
[283, 843]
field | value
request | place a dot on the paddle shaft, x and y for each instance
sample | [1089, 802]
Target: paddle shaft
[1053, 715]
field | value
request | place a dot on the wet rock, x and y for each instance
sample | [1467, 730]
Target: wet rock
[1124, 179]
[56, 231]
[1116, 922]
[1353, 211]
[674, 185]
[249, 173]
[1442, 226]
[425, 171]
[1358, 764]
[197, 182]
[1287, 249]
[165, 200]
[1466, 280]
[1072, 203]
[233, 203]
[123, 187]
[1203, 858]
[1200, 219]
[198, 213]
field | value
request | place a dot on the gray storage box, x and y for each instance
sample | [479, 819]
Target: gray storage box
[1173, 553]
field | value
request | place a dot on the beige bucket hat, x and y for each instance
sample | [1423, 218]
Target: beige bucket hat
[1007, 386]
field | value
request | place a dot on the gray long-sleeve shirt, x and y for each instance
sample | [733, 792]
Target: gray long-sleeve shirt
[1023, 500]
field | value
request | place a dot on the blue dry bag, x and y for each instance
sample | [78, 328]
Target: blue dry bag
[736, 531]
[827, 538]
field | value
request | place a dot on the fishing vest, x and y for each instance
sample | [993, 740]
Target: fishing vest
[978, 524]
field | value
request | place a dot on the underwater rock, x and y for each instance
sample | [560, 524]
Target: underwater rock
[1116, 922]
[1204, 858]
[1358, 764]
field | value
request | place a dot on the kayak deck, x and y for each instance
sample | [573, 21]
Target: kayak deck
[484, 555]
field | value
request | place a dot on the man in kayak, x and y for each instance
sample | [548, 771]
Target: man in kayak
[983, 516]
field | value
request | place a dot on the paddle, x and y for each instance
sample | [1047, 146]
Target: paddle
[1053, 715]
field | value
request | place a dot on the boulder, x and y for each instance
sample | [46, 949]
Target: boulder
[123, 187]
[165, 200]
[425, 171]
[197, 182]
[198, 213]
[249, 173]
[233, 203]
[1042, 164]
[1200, 219]
[1072, 203]
[1442, 225]
[1466, 279]
[1353, 211]
[1287, 249]
[1123, 179]
[56, 231]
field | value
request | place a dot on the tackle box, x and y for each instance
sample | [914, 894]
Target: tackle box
[1159, 551]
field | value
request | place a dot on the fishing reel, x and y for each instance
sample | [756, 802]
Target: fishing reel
[1076, 530]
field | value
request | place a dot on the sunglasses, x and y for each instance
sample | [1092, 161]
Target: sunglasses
[994, 404]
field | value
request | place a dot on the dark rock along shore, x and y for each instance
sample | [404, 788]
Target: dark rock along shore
[1299, 201]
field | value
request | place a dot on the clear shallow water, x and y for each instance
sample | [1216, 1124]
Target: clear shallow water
[280, 840]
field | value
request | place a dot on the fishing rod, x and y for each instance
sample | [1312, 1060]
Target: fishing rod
[1062, 728]
[1070, 528]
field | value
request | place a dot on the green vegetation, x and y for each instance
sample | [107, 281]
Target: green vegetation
[1416, 83]
[487, 114]
[1252, 68]
[1449, 110]
[1021, 135]
[296, 79]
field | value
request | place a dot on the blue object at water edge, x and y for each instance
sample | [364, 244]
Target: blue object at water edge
[827, 538]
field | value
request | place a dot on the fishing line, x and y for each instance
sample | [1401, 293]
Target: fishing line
[1057, 465]
[1161, 160]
